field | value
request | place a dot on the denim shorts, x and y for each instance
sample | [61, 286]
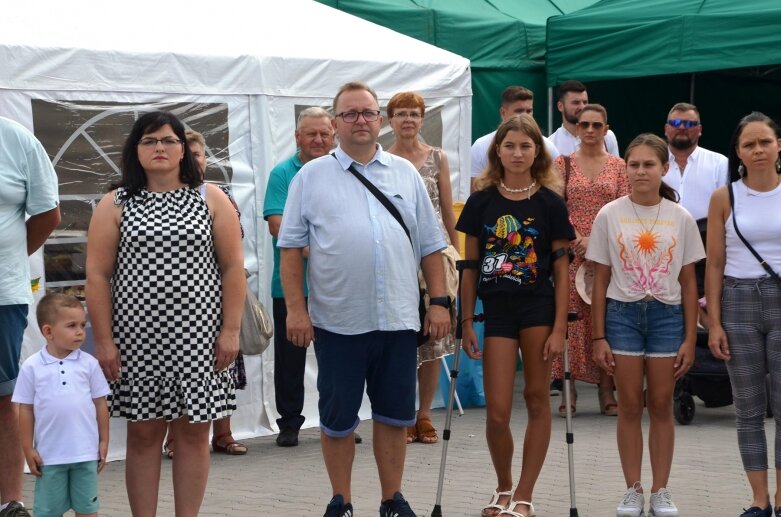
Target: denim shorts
[383, 361]
[13, 321]
[507, 316]
[64, 487]
[647, 328]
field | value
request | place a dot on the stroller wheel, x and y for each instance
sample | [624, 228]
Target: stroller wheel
[683, 409]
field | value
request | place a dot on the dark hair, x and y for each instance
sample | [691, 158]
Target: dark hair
[732, 154]
[47, 311]
[597, 108]
[133, 175]
[570, 86]
[513, 94]
[658, 146]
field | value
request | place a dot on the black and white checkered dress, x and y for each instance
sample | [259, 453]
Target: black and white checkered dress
[167, 310]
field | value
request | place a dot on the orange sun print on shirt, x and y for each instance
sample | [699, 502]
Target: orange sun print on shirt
[646, 242]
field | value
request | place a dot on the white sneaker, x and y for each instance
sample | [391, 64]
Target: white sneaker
[662, 504]
[633, 503]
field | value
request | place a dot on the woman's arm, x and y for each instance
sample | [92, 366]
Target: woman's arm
[446, 200]
[718, 211]
[468, 295]
[227, 245]
[602, 354]
[685, 357]
[102, 247]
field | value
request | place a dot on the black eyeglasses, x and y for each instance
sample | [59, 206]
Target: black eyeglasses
[688, 124]
[596, 125]
[167, 142]
[352, 116]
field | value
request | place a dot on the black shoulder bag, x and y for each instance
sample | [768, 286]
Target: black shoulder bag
[382, 198]
[762, 262]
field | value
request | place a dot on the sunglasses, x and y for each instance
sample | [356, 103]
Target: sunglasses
[596, 125]
[688, 124]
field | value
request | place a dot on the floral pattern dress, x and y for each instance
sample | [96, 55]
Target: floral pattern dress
[585, 197]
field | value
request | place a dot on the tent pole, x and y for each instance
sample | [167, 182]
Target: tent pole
[691, 89]
[550, 110]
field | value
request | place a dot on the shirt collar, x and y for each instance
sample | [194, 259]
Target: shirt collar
[47, 358]
[689, 159]
[345, 160]
[297, 159]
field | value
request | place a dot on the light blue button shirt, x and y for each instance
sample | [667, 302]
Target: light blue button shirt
[362, 274]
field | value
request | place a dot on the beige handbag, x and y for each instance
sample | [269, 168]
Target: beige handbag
[256, 327]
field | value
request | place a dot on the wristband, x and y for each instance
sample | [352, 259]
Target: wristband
[598, 338]
[469, 318]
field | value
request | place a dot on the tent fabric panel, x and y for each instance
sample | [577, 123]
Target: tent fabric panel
[634, 38]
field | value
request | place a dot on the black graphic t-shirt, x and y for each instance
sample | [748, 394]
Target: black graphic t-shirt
[515, 240]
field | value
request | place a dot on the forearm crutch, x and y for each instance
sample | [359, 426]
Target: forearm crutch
[460, 266]
[569, 436]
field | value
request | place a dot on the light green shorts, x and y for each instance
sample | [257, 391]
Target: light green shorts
[64, 487]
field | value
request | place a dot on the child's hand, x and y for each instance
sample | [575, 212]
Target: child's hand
[684, 360]
[103, 451]
[603, 356]
[554, 346]
[469, 342]
[34, 461]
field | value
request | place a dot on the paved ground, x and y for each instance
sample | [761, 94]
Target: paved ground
[706, 480]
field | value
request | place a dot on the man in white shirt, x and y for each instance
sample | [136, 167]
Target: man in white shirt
[572, 97]
[694, 172]
[516, 100]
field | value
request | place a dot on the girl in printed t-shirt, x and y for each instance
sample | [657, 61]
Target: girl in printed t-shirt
[518, 230]
[644, 314]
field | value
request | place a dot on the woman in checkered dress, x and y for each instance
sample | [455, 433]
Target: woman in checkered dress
[165, 291]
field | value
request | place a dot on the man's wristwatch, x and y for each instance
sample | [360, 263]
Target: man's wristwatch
[442, 301]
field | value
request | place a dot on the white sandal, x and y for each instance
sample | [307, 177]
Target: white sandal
[511, 509]
[494, 504]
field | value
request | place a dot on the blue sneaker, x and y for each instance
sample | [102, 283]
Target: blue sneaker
[396, 507]
[337, 508]
[756, 511]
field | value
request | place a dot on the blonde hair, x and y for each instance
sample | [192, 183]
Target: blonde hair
[194, 137]
[542, 168]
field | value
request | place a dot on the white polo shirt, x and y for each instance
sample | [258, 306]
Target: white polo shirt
[62, 392]
[567, 143]
[479, 153]
[705, 172]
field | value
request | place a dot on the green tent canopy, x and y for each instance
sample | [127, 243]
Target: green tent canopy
[503, 39]
[615, 39]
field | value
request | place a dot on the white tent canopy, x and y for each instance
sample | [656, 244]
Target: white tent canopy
[78, 73]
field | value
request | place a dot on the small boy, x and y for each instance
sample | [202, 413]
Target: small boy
[63, 415]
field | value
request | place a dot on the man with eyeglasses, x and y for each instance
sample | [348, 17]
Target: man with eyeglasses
[314, 138]
[572, 97]
[29, 186]
[516, 100]
[363, 292]
[694, 172]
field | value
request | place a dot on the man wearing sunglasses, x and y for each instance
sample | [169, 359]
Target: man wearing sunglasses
[572, 97]
[515, 101]
[694, 172]
[363, 291]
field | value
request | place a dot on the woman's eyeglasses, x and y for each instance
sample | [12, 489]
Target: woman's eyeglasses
[688, 124]
[414, 115]
[352, 116]
[596, 125]
[151, 143]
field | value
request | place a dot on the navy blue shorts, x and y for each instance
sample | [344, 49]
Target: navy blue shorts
[507, 316]
[383, 361]
[13, 321]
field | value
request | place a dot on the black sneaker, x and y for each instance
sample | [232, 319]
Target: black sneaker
[756, 511]
[396, 507]
[556, 386]
[337, 508]
[14, 509]
[288, 437]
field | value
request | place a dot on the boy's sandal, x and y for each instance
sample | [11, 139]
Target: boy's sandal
[494, 504]
[426, 431]
[511, 509]
[168, 448]
[225, 444]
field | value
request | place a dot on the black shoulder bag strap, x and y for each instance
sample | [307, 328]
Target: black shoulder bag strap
[567, 170]
[762, 262]
[382, 198]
